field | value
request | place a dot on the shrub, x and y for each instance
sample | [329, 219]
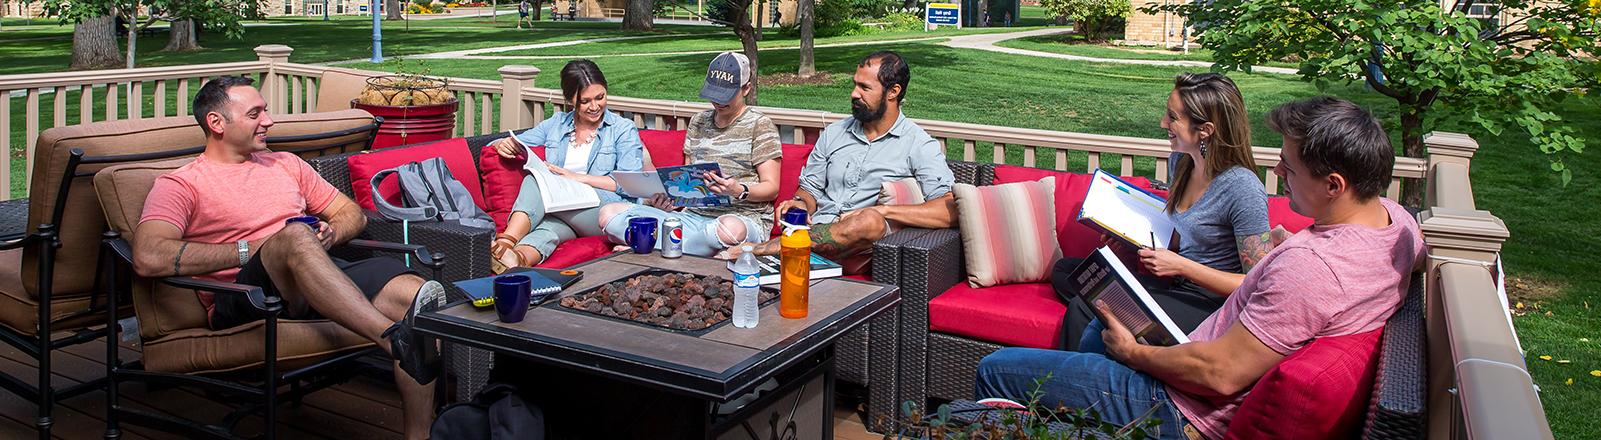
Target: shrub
[902, 21]
[1093, 18]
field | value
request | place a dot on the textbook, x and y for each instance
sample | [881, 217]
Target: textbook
[1119, 209]
[557, 193]
[768, 268]
[683, 183]
[1102, 277]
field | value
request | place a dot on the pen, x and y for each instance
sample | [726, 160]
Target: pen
[1153, 239]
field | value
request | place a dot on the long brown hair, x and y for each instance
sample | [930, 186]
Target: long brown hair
[1210, 97]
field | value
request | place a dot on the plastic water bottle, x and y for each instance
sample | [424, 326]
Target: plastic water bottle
[746, 289]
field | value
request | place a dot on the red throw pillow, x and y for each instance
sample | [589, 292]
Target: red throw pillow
[576, 251]
[1076, 239]
[1280, 214]
[789, 171]
[1320, 391]
[363, 166]
[666, 146]
[502, 178]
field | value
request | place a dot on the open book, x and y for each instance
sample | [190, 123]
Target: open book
[556, 192]
[1119, 209]
[684, 183]
[1102, 277]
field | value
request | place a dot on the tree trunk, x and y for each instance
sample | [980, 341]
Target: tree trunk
[1412, 146]
[182, 37]
[803, 14]
[538, 7]
[393, 9]
[637, 15]
[747, 38]
[94, 44]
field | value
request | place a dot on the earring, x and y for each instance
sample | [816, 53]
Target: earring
[1203, 148]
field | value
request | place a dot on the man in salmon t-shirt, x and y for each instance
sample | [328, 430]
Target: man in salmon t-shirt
[1344, 275]
[224, 217]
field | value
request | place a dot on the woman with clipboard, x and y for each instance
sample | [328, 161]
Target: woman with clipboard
[1216, 203]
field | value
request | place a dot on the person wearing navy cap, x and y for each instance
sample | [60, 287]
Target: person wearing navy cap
[743, 143]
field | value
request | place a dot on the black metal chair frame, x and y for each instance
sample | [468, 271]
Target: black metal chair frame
[371, 129]
[39, 345]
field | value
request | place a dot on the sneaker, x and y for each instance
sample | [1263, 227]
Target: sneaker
[417, 355]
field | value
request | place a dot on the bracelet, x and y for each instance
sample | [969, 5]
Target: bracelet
[244, 252]
[176, 260]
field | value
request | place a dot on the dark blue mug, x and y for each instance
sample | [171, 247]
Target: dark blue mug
[309, 220]
[511, 297]
[641, 234]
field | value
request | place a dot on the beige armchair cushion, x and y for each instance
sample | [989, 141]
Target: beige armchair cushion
[338, 86]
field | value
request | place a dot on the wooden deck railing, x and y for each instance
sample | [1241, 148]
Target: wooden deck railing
[1479, 385]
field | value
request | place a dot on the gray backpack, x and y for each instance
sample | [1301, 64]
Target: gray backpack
[429, 192]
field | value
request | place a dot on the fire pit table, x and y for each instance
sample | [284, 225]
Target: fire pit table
[703, 378]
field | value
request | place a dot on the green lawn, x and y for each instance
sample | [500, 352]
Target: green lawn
[1034, 16]
[315, 41]
[1553, 227]
[1073, 44]
[726, 41]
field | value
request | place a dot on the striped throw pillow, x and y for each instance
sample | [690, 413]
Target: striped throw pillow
[1008, 231]
[905, 191]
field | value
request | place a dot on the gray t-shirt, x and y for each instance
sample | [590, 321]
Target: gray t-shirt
[1233, 205]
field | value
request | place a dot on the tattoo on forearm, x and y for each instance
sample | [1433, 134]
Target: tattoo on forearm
[1253, 248]
[176, 260]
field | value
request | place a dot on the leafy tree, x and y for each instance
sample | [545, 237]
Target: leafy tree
[94, 39]
[1490, 72]
[1092, 18]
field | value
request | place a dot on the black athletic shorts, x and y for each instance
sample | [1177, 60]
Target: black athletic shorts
[370, 275]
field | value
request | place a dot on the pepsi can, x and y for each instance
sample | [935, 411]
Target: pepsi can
[672, 238]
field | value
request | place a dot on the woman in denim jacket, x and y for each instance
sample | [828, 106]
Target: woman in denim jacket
[585, 144]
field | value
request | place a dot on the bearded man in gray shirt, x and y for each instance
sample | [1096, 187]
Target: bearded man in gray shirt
[855, 157]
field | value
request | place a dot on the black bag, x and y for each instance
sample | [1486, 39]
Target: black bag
[496, 413]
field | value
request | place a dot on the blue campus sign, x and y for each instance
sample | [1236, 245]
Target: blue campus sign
[947, 14]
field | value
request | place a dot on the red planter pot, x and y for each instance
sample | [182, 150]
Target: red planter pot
[411, 124]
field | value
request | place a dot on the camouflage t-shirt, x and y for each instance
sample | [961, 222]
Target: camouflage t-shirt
[737, 149]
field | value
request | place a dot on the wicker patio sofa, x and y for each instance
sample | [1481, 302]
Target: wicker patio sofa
[867, 357]
[938, 366]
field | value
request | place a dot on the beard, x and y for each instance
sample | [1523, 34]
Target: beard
[863, 114]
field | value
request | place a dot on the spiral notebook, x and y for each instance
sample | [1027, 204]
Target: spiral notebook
[481, 291]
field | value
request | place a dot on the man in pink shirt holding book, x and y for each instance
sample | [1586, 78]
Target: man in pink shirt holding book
[225, 217]
[1344, 275]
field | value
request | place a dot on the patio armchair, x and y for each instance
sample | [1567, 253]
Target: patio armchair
[248, 364]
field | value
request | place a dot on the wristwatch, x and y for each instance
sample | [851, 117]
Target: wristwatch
[244, 252]
[743, 194]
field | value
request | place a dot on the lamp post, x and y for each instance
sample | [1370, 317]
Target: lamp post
[377, 35]
[324, 10]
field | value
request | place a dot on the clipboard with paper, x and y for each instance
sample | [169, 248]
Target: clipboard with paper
[1117, 208]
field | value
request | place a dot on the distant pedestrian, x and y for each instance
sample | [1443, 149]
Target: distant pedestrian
[523, 8]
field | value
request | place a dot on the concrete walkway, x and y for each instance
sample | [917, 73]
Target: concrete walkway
[987, 42]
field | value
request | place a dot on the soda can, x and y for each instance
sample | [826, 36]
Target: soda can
[672, 238]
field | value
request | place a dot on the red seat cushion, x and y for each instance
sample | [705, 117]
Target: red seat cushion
[1280, 214]
[1076, 239]
[457, 157]
[666, 146]
[502, 178]
[1320, 391]
[576, 251]
[1023, 315]
[794, 159]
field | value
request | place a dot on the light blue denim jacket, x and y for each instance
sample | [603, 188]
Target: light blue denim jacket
[617, 145]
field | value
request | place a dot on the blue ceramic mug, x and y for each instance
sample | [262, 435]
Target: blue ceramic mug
[641, 234]
[511, 297]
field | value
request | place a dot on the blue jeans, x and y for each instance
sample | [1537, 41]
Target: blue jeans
[700, 232]
[1080, 380]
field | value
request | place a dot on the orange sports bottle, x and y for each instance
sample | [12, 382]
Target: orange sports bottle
[795, 264]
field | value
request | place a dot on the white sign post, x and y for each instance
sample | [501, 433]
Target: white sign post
[947, 14]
